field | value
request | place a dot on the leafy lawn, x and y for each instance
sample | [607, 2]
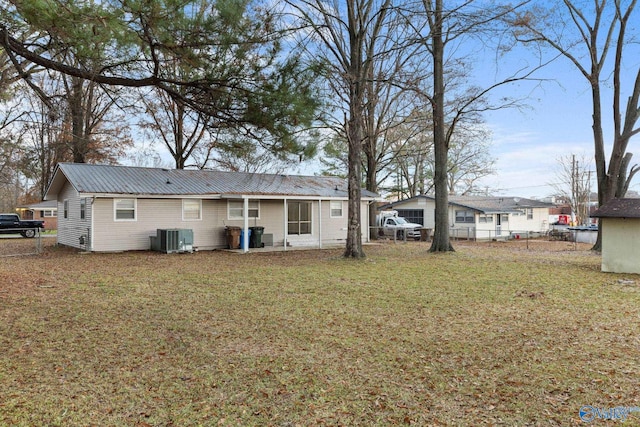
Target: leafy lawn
[493, 334]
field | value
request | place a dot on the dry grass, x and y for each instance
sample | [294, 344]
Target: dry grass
[493, 334]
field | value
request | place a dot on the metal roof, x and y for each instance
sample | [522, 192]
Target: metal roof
[619, 208]
[128, 180]
[483, 204]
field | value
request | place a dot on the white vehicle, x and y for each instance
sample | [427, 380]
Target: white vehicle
[391, 224]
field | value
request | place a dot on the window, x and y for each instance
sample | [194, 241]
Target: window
[336, 209]
[66, 208]
[504, 218]
[125, 209]
[48, 213]
[299, 218]
[83, 208]
[529, 213]
[236, 207]
[465, 216]
[191, 209]
[485, 218]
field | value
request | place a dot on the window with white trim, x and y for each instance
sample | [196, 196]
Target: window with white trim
[124, 209]
[529, 213]
[235, 208]
[484, 218]
[465, 216]
[191, 209]
[336, 209]
[65, 209]
[299, 218]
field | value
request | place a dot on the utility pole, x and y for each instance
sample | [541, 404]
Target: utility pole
[574, 184]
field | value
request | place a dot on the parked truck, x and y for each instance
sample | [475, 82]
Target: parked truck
[12, 224]
[390, 224]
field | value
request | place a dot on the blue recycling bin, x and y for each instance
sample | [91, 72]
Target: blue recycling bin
[242, 238]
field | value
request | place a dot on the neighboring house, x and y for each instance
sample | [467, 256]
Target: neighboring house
[46, 211]
[118, 208]
[483, 218]
[620, 228]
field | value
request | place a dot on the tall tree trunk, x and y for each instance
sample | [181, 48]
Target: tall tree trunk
[354, 230]
[355, 128]
[76, 108]
[441, 241]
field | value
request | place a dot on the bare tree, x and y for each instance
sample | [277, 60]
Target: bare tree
[347, 35]
[573, 183]
[591, 33]
[414, 164]
[42, 144]
[445, 31]
[469, 160]
[179, 128]
[83, 126]
[93, 130]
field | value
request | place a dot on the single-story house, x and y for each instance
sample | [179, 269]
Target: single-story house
[477, 217]
[46, 211]
[620, 228]
[118, 208]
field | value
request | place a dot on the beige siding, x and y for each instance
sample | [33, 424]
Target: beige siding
[209, 232]
[539, 222]
[70, 229]
[151, 214]
[620, 245]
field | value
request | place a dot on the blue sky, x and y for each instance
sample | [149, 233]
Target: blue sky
[527, 144]
[557, 123]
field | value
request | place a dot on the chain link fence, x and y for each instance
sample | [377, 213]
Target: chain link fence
[12, 245]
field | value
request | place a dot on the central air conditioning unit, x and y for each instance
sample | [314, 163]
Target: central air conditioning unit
[173, 240]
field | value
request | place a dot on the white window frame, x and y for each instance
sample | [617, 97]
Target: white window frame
[115, 210]
[65, 208]
[529, 213]
[333, 207]
[485, 218]
[199, 202]
[235, 208]
[463, 216]
[83, 208]
[298, 222]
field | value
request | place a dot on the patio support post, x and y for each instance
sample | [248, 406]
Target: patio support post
[319, 223]
[245, 216]
[286, 220]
